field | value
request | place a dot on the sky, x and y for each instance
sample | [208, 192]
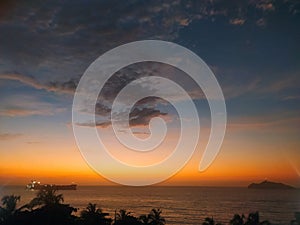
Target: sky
[252, 47]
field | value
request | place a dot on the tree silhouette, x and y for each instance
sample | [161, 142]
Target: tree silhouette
[46, 196]
[145, 219]
[10, 202]
[237, 220]
[9, 210]
[93, 216]
[253, 219]
[208, 221]
[123, 214]
[125, 218]
[296, 221]
[156, 218]
[47, 209]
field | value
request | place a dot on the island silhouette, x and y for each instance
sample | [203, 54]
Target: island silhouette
[270, 185]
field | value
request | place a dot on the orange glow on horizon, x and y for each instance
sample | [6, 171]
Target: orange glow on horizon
[239, 162]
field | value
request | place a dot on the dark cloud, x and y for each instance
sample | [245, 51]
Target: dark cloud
[101, 109]
[57, 40]
[143, 116]
[49, 44]
[137, 117]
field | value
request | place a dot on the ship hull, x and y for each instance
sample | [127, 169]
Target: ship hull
[37, 186]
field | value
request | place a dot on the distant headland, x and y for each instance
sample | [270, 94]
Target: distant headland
[270, 185]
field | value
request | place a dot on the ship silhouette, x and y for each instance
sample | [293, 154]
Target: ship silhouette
[36, 185]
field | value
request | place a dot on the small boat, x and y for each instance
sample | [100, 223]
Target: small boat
[36, 185]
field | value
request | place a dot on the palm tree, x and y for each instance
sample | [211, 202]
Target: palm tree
[253, 219]
[123, 214]
[10, 203]
[92, 209]
[49, 209]
[93, 215]
[208, 221]
[156, 218]
[46, 196]
[10, 208]
[296, 221]
[237, 220]
[125, 218]
[145, 219]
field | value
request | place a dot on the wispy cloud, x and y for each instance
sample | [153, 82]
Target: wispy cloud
[258, 86]
[291, 81]
[14, 112]
[291, 97]
[61, 87]
[271, 123]
[261, 22]
[33, 142]
[265, 5]
[232, 90]
[23, 79]
[98, 124]
[25, 105]
[9, 136]
[237, 21]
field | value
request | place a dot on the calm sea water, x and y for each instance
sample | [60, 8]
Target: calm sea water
[182, 205]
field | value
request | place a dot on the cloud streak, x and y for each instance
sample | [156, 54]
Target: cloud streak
[27, 105]
[264, 123]
[9, 136]
[64, 87]
[237, 21]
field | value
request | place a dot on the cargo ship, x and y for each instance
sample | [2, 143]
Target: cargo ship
[36, 185]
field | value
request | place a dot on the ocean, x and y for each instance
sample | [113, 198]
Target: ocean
[181, 205]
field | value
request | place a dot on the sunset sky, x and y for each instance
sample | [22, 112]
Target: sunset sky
[251, 46]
